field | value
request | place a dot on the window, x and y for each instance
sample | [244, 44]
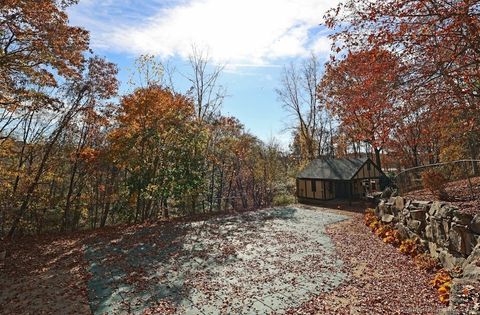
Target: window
[314, 185]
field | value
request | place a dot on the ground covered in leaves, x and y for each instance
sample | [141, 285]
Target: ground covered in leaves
[380, 279]
[289, 260]
[460, 194]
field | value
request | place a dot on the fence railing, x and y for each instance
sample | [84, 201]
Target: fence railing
[466, 172]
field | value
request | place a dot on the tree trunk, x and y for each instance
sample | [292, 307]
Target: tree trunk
[378, 160]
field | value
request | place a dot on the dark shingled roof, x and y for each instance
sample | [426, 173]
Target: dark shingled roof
[340, 169]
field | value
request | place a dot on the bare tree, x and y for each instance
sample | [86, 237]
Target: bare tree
[207, 93]
[299, 97]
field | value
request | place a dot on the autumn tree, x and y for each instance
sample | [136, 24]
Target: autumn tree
[360, 91]
[38, 48]
[436, 42]
[155, 141]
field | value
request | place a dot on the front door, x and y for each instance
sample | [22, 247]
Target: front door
[341, 189]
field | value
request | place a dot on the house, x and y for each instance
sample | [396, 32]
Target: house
[347, 178]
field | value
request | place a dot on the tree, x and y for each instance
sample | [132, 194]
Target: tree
[37, 49]
[205, 90]
[436, 42]
[361, 92]
[300, 97]
[155, 141]
[97, 84]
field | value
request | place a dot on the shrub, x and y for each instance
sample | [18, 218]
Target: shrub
[369, 218]
[435, 182]
[392, 237]
[442, 282]
[425, 262]
[410, 247]
[383, 230]
[283, 200]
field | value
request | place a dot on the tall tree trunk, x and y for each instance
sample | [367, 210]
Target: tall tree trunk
[378, 159]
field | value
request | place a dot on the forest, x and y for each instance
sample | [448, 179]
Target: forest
[401, 85]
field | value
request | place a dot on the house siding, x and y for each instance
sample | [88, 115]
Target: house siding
[323, 191]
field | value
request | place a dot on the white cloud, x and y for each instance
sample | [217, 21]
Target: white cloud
[238, 31]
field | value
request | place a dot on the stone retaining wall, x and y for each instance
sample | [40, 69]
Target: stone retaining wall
[448, 234]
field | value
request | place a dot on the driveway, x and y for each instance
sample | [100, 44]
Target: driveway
[256, 263]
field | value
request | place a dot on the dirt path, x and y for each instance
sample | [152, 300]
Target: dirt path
[381, 280]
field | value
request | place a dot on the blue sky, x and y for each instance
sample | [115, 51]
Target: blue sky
[253, 38]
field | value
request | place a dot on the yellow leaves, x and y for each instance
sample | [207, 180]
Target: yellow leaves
[392, 237]
[425, 262]
[409, 247]
[443, 283]
[384, 231]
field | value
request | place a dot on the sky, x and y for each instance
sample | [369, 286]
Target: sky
[254, 39]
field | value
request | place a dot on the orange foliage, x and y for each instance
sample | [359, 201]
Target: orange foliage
[442, 282]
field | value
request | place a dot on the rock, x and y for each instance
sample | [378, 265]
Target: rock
[475, 224]
[421, 204]
[434, 208]
[399, 203]
[457, 298]
[419, 215]
[471, 266]
[387, 218]
[446, 211]
[429, 232]
[448, 260]
[432, 248]
[474, 255]
[446, 225]
[414, 225]
[438, 232]
[408, 202]
[386, 193]
[403, 231]
[472, 271]
[379, 209]
[461, 239]
[462, 218]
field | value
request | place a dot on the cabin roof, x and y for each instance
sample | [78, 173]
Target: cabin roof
[335, 169]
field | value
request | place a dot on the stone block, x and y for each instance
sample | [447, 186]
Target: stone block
[399, 203]
[462, 218]
[434, 208]
[403, 231]
[387, 218]
[448, 260]
[461, 239]
[429, 232]
[414, 225]
[475, 224]
[433, 249]
[419, 215]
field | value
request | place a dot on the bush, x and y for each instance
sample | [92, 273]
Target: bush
[283, 200]
[426, 262]
[435, 182]
[410, 247]
[442, 282]
[392, 237]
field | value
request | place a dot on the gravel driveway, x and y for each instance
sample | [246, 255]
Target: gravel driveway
[255, 263]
